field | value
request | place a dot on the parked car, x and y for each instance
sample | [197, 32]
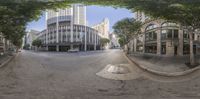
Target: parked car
[73, 50]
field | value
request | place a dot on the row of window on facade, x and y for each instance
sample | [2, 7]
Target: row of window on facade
[151, 32]
[68, 28]
[78, 37]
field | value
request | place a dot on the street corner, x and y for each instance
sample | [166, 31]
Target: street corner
[154, 69]
[118, 72]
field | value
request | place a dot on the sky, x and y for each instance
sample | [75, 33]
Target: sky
[95, 14]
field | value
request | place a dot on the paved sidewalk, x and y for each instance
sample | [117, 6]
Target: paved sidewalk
[4, 59]
[161, 64]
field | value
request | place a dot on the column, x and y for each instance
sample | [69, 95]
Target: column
[61, 29]
[66, 32]
[47, 48]
[131, 45]
[57, 48]
[85, 30]
[143, 43]
[180, 42]
[159, 41]
[89, 35]
[95, 41]
[71, 46]
[135, 45]
[77, 33]
[72, 29]
[57, 24]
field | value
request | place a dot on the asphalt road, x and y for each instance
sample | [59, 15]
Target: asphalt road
[50, 75]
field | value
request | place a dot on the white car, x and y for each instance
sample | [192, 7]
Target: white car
[73, 50]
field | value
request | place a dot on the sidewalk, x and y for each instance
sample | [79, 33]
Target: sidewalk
[4, 59]
[161, 64]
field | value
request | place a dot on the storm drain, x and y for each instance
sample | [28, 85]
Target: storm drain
[118, 72]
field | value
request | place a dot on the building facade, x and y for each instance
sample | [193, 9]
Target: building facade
[113, 41]
[163, 37]
[103, 28]
[30, 37]
[5, 44]
[66, 29]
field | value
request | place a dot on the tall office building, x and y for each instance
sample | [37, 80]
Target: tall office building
[76, 14]
[103, 28]
[79, 12]
[66, 29]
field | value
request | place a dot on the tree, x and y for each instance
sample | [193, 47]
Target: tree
[16, 13]
[121, 41]
[126, 29]
[185, 12]
[37, 43]
[104, 41]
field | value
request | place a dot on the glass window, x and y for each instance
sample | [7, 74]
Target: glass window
[185, 35]
[169, 33]
[164, 34]
[175, 33]
[151, 26]
[169, 24]
[147, 36]
[154, 35]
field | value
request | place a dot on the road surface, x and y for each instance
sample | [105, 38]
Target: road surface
[57, 75]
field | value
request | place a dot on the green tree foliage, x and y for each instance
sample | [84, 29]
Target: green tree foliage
[121, 41]
[127, 29]
[17, 13]
[185, 12]
[104, 41]
[37, 43]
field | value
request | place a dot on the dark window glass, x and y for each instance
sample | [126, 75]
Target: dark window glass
[169, 33]
[175, 33]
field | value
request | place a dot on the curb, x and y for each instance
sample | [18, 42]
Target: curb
[174, 74]
[8, 60]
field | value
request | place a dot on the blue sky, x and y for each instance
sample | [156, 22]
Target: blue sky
[95, 14]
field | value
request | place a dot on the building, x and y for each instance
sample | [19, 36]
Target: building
[66, 29]
[30, 37]
[163, 37]
[113, 41]
[5, 44]
[103, 28]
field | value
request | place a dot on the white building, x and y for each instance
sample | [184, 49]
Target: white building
[103, 28]
[66, 29]
[114, 41]
[30, 37]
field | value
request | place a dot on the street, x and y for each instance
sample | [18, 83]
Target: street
[59, 75]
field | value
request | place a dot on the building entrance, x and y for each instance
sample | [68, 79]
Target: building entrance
[175, 50]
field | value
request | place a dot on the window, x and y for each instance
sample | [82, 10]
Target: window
[151, 35]
[163, 34]
[175, 33]
[169, 33]
[151, 26]
[169, 24]
[185, 35]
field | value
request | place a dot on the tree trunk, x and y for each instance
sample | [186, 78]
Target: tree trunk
[192, 57]
[17, 49]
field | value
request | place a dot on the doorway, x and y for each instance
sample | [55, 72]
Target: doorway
[175, 50]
